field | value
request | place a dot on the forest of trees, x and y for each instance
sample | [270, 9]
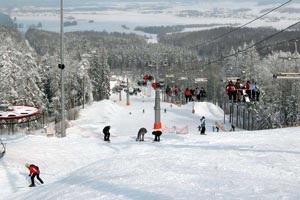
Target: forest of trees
[29, 71]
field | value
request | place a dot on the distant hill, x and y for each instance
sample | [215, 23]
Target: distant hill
[19, 3]
[5, 20]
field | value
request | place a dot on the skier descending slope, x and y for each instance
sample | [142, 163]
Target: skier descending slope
[34, 171]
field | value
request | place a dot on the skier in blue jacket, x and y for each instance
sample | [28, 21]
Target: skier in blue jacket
[202, 125]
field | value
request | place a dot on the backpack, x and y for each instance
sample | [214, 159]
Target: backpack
[35, 168]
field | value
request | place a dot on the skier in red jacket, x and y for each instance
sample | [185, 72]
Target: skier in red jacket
[34, 171]
[231, 91]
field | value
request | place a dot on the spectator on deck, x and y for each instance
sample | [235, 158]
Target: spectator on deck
[188, 95]
[231, 91]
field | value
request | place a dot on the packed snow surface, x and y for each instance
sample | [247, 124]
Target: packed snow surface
[219, 165]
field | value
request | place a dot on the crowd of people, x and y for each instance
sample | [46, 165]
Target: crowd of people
[192, 94]
[235, 91]
[140, 136]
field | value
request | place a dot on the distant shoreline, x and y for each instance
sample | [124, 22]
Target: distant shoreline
[151, 19]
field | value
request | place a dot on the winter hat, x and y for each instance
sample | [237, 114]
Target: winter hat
[27, 165]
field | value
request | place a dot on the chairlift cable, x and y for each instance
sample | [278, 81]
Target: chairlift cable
[247, 49]
[238, 28]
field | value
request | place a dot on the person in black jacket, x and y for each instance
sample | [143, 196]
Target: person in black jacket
[202, 125]
[157, 134]
[106, 133]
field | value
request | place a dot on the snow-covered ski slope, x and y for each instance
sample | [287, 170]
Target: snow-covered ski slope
[224, 165]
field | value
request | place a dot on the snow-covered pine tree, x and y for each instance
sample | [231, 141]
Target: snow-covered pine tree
[19, 72]
[99, 74]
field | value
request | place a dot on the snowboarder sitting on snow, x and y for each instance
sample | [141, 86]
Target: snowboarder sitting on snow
[106, 133]
[34, 171]
[141, 133]
[202, 125]
[157, 134]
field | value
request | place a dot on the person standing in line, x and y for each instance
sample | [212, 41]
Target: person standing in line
[197, 91]
[106, 133]
[34, 171]
[238, 86]
[231, 91]
[202, 93]
[248, 88]
[202, 120]
[187, 94]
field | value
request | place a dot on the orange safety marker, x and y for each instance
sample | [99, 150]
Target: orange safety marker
[157, 125]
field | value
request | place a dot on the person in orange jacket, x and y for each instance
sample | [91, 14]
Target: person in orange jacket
[188, 95]
[34, 171]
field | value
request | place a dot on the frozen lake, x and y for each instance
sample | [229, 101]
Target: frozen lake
[125, 16]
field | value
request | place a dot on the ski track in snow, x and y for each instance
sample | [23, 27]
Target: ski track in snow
[224, 165]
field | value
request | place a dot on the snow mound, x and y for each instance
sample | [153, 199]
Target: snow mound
[209, 110]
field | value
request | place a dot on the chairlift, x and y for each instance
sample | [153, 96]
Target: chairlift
[183, 78]
[198, 80]
[169, 76]
[286, 75]
[234, 78]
